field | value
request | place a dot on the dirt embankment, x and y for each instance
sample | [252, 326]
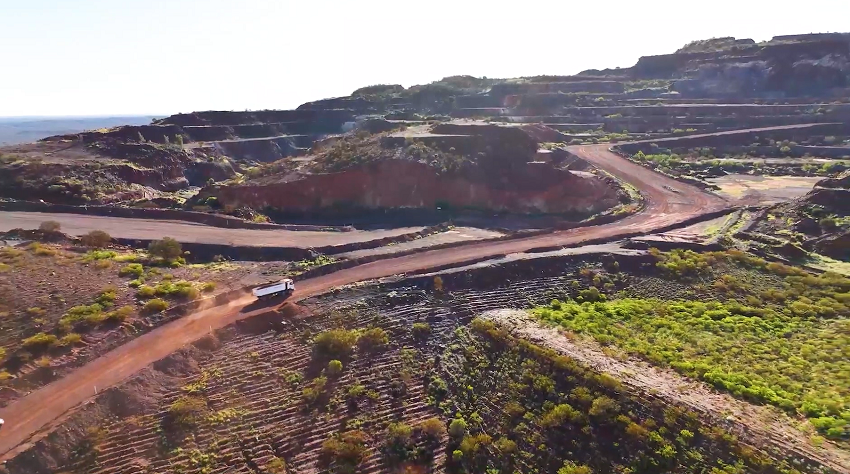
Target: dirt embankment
[448, 166]
[403, 184]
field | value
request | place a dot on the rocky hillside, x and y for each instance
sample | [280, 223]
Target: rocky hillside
[387, 146]
[786, 66]
[457, 166]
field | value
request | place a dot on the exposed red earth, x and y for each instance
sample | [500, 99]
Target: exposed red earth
[668, 202]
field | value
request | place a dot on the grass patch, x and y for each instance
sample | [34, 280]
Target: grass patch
[181, 289]
[132, 269]
[785, 347]
[511, 402]
[94, 255]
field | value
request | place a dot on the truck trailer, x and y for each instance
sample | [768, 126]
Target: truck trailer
[270, 291]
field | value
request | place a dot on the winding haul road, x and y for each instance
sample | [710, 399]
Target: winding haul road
[668, 202]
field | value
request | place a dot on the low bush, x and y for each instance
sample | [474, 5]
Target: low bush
[40, 341]
[146, 291]
[398, 442]
[50, 226]
[208, 287]
[275, 466]
[96, 239]
[180, 289]
[458, 428]
[120, 314]
[336, 343]
[42, 250]
[71, 339]
[132, 269]
[433, 429]
[346, 450]
[421, 331]
[334, 367]
[96, 255]
[167, 249]
[187, 411]
[156, 305]
[36, 312]
[315, 391]
[373, 339]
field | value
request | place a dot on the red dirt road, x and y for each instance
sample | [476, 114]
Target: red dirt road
[151, 229]
[668, 202]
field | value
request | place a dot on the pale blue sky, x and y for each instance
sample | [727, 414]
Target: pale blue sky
[87, 57]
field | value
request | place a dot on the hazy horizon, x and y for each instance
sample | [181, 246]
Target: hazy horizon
[95, 58]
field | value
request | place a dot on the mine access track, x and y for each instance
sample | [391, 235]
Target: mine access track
[668, 202]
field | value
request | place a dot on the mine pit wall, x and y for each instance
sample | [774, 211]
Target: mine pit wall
[732, 139]
[263, 150]
[405, 184]
[257, 117]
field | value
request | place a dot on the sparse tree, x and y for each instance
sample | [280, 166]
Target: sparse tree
[96, 239]
[438, 284]
[167, 249]
[50, 226]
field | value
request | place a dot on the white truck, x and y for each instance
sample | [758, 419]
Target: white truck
[269, 291]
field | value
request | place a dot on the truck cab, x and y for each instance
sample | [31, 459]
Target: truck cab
[271, 290]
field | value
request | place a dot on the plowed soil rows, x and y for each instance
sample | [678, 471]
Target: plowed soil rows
[762, 426]
[256, 412]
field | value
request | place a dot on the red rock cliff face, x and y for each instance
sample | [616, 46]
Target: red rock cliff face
[405, 184]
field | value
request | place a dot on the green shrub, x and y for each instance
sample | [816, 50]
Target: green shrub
[181, 289]
[107, 297]
[471, 445]
[559, 415]
[146, 291]
[71, 339]
[828, 224]
[120, 314]
[347, 450]
[49, 226]
[36, 312]
[421, 331]
[275, 465]
[573, 468]
[135, 283]
[373, 339]
[167, 249]
[156, 305]
[398, 442]
[132, 269]
[208, 287]
[96, 255]
[42, 250]
[91, 314]
[187, 411]
[433, 429]
[314, 392]
[336, 343]
[334, 367]
[96, 239]
[457, 428]
[40, 341]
